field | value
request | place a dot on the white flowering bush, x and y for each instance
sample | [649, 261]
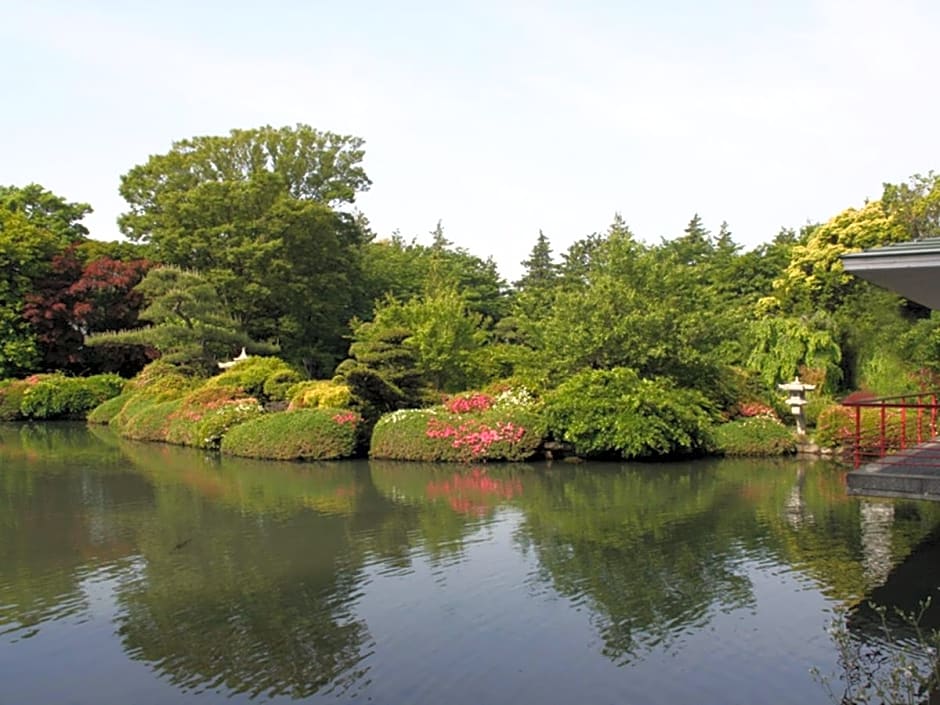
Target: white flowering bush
[217, 422]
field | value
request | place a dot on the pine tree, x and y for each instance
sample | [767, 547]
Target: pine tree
[540, 270]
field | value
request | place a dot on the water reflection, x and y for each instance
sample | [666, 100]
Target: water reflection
[238, 578]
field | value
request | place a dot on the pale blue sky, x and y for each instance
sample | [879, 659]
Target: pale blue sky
[499, 118]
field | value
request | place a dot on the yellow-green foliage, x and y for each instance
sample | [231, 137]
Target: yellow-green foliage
[758, 436]
[265, 378]
[11, 395]
[305, 434]
[59, 397]
[320, 394]
[107, 410]
[162, 380]
[158, 382]
[148, 420]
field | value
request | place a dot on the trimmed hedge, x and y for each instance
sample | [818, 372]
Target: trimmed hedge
[148, 419]
[206, 414]
[756, 436]
[305, 434]
[319, 394]
[107, 410]
[164, 380]
[472, 427]
[265, 378]
[60, 397]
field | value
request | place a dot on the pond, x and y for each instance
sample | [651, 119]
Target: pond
[136, 573]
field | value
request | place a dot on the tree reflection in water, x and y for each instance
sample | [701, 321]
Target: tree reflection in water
[242, 576]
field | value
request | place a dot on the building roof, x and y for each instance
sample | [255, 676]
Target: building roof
[910, 269]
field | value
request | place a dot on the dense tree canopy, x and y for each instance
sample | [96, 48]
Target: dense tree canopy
[189, 324]
[258, 213]
[35, 225]
[254, 237]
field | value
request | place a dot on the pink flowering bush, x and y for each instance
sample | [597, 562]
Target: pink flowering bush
[468, 428]
[755, 409]
[468, 403]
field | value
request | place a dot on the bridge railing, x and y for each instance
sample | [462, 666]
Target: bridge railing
[886, 426]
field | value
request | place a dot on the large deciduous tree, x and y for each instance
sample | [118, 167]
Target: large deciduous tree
[74, 298]
[35, 224]
[260, 213]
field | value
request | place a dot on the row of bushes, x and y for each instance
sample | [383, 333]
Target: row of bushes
[55, 396]
[598, 413]
[228, 412]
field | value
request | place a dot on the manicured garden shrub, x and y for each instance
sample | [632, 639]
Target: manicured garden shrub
[614, 412]
[305, 434]
[60, 397]
[836, 428]
[11, 396]
[469, 427]
[163, 380]
[265, 378]
[150, 419]
[319, 394]
[756, 435]
[107, 410]
[206, 414]
[278, 385]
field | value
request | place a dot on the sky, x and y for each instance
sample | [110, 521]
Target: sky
[498, 118]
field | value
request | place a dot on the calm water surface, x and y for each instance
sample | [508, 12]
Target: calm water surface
[133, 573]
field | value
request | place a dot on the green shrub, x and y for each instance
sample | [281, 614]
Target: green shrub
[836, 427]
[107, 410]
[252, 375]
[149, 419]
[614, 412]
[319, 394]
[59, 397]
[278, 385]
[164, 381]
[11, 396]
[134, 403]
[469, 427]
[815, 405]
[305, 434]
[754, 436]
[204, 416]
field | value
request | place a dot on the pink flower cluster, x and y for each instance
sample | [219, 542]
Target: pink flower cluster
[469, 403]
[346, 417]
[475, 436]
[755, 408]
[474, 492]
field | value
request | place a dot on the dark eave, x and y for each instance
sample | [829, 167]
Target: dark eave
[910, 269]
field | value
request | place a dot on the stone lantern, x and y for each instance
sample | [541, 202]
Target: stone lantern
[796, 400]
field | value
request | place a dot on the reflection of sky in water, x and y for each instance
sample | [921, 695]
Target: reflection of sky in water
[495, 604]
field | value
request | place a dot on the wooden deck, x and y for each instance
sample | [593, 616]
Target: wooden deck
[911, 474]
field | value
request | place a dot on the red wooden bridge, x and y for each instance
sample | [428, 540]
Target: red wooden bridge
[895, 447]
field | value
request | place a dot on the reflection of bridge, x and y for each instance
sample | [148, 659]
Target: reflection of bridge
[895, 448]
[896, 621]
